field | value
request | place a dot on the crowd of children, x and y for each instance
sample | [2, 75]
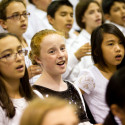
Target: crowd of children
[54, 72]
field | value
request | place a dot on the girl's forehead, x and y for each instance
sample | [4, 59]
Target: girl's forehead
[15, 6]
[9, 42]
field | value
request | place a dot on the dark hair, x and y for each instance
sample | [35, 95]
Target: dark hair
[81, 8]
[4, 4]
[55, 5]
[25, 88]
[96, 42]
[115, 93]
[30, 1]
[107, 4]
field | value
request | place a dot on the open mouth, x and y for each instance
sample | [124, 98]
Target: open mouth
[24, 26]
[61, 63]
[118, 57]
[20, 67]
[123, 18]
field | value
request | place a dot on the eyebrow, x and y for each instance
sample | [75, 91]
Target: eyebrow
[11, 49]
[18, 12]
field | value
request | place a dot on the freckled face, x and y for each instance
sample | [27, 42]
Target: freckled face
[53, 54]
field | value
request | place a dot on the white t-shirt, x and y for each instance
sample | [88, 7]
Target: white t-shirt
[94, 84]
[20, 105]
[86, 61]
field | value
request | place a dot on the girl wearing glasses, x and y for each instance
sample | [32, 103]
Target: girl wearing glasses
[14, 19]
[15, 90]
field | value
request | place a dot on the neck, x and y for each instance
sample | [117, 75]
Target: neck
[89, 30]
[66, 35]
[23, 41]
[50, 81]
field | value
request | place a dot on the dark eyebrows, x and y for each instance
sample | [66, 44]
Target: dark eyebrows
[10, 50]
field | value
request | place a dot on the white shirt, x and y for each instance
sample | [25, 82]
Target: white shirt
[86, 61]
[122, 29]
[37, 21]
[20, 105]
[94, 84]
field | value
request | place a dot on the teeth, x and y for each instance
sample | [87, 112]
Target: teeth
[61, 63]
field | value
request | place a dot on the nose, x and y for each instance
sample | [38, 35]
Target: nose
[98, 14]
[22, 17]
[60, 54]
[69, 17]
[123, 10]
[117, 48]
[18, 57]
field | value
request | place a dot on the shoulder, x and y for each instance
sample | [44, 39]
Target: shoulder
[86, 81]
[38, 94]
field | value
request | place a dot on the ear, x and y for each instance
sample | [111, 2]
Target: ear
[3, 24]
[50, 19]
[117, 111]
[107, 17]
[37, 59]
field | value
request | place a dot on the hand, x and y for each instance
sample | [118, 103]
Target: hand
[83, 51]
[34, 70]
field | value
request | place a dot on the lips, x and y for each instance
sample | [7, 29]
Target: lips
[24, 26]
[69, 26]
[123, 18]
[61, 63]
[98, 20]
[20, 68]
[118, 57]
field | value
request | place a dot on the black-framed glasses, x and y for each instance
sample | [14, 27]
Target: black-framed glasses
[10, 57]
[17, 16]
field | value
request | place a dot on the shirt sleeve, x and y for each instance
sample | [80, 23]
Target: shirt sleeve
[85, 81]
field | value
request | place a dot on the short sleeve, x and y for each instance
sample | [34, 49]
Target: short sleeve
[85, 81]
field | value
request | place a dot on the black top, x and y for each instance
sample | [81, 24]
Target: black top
[71, 94]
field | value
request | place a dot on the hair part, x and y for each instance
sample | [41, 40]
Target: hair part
[4, 4]
[55, 5]
[80, 10]
[107, 4]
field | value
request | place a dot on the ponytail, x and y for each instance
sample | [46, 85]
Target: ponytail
[110, 120]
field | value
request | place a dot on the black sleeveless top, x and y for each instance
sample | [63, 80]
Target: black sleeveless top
[71, 95]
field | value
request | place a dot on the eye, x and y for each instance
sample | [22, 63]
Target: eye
[20, 51]
[62, 48]
[120, 42]
[51, 51]
[63, 14]
[7, 55]
[16, 15]
[110, 44]
[71, 14]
